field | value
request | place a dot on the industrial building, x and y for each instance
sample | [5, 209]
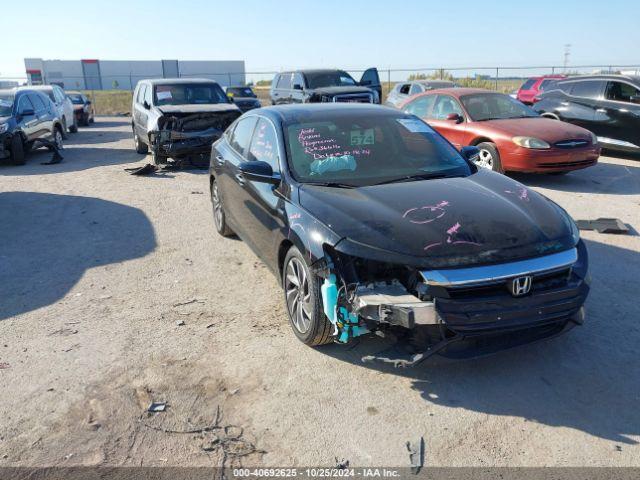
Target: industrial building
[93, 74]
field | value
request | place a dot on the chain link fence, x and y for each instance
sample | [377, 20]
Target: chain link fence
[115, 95]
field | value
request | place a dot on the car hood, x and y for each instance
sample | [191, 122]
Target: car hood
[545, 129]
[340, 90]
[483, 218]
[197, 108]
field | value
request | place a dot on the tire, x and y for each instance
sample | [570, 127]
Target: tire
[58, 138]
[74, 128]
[64, 128]
[303, 301]
[489, 157]
[141, 147]
[219, 217]
[17, 150]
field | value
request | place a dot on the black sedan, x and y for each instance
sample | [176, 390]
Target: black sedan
[372, 221]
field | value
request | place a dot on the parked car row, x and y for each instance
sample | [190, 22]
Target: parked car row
[27, 116]
[32, 115]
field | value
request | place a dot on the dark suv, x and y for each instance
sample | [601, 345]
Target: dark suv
[608, 105]
[315, 86]
[26, 116]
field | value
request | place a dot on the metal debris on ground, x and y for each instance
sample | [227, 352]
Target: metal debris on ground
[196, 192]
[604, 225]
[342, 464]
[180, 323]
[157, 407]
[188, 302]
[224, 439]
[147, 169]
[57, 156]
[416, 455]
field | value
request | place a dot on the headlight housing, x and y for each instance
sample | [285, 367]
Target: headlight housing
[530, 142]
[4, 127]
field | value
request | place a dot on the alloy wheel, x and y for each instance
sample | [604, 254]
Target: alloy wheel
[217, 207]
[58, 139]
[298, 295]
[485, 159]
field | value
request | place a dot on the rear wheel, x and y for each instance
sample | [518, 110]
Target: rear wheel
[17, 150]
[303, 301]
[219, 217]
[141, 147]
[489, 157]
[64, 128]
[57, 138]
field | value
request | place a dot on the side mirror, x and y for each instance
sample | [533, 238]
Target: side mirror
[297, 86]
[454, 117]
[230, 97]
[27, 112]
[146, 105]
[470, 153]
[259, 171]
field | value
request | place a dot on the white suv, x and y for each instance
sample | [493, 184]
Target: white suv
[63, 104]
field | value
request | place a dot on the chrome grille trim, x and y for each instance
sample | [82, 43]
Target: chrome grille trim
[358, 97]
[492, 273]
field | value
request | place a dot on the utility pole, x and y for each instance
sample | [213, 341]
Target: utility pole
[567, 54]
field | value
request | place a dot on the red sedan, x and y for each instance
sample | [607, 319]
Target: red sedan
[510, 136]
[529, 91]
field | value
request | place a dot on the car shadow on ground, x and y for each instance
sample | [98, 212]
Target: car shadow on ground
[588, 379]
[605, 177]
[49, 241]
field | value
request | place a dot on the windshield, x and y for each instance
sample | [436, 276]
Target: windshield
[240, 92]
[336, 78]
[76, 98]
[189, 93]
[6, 104]
[361, 148]
[494, 106]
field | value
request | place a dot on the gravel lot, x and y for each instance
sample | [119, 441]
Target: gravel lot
[116, 291]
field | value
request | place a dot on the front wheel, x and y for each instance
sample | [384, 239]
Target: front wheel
[141, 147]
[489, 157]
[17, 150]
[57, 138]
[303, 301]
[219, 217]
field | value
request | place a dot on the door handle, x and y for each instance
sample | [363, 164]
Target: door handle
[240, 179]
[601, 110]
[219, 160]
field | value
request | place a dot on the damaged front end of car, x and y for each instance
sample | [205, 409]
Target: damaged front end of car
[456, 312]
[182, 134]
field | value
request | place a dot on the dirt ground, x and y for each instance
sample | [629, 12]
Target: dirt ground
[115, 291]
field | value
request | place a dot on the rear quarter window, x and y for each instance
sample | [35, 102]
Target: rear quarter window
[528, 84]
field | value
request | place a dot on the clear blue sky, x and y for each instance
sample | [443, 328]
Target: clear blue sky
[270, 35]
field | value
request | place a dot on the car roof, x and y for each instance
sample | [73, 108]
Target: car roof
[293, 111]
[315, 70]
[35, 87]
[459, 91]
[603, 76]
[173, 81]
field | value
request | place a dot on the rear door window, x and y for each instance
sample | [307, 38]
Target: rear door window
[444, 106]
[421, 107]
[415, 88]
[264, 145]
[621, 92]
[284, 81]
[38, 103]
[587, 89]
[528, 84]
[25, 104]
[242, 134]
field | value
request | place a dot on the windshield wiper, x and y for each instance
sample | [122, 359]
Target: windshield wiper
[331, 184]
[419, 176]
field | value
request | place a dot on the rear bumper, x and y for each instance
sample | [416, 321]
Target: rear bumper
[552, 160]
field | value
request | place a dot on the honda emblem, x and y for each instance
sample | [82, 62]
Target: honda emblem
[520, 286]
